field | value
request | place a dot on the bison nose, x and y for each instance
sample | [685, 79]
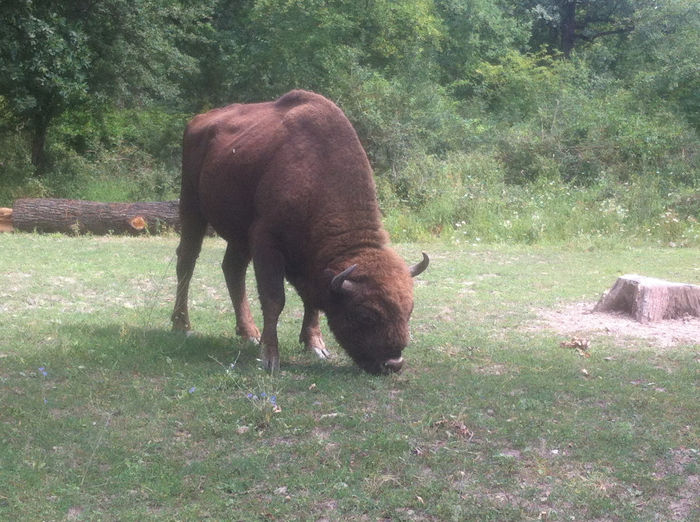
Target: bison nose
[393, 365]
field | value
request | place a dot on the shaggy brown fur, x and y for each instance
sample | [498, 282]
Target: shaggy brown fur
[288, 184]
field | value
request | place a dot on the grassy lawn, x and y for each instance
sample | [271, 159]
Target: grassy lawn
[105, 414]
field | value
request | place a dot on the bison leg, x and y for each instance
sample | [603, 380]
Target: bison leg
[234, 267]
[311, 333]
[194, 227]
[269, 273]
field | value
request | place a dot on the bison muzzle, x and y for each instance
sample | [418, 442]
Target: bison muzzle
[288, 185]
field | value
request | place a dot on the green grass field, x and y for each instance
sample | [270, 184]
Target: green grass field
[107, 415]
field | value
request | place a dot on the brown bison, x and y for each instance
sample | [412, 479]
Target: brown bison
[288, 184]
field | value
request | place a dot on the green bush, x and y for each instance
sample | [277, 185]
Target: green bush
[155, 132]
[516, 86]
[125, 155]
[558, 119]
[123, 174]
[467, 197]
[403, 117]
[16, 180]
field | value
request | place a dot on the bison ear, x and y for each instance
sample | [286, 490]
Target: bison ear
[418, 268]
[339, 283]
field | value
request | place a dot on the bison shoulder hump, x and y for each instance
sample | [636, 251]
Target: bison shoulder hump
[297, 97]
[211, 123]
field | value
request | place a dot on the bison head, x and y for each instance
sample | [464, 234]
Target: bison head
[371, 303]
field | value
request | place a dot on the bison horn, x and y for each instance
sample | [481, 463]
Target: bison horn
[420, 267]
[339, 283]
[393, 365]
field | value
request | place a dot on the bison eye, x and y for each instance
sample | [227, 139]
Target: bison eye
[365, 316]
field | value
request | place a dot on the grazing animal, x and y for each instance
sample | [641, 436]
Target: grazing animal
[288, 184]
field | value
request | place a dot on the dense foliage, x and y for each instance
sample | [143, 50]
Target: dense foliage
[499, 120]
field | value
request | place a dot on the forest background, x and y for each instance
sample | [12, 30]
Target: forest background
[485, 120]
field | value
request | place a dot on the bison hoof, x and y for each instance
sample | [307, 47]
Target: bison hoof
[271, 365]
[321, 352]
[181, 327]
[270, 359]
[249, 333]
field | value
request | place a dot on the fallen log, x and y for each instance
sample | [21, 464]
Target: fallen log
[647, 299]
[71, 216]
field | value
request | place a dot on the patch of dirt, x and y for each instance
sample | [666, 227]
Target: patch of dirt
[686, 500]
[578, 320]
[686, 503]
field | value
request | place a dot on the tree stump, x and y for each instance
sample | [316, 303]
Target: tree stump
[647, 299]
[70, 216]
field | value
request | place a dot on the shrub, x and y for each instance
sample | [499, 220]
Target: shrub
[584, 137]
[123, 174]
[15, 164]
[155, 132]
[126, 155]
[466, 197]
[400, 118]
[517, 85]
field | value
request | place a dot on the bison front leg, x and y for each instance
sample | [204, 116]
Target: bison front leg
[310, 334]
[234, 267]
[269, 274]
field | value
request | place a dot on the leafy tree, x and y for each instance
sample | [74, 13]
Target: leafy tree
[563, 24]
[44, 67]
[397, 36]
[57, 55]
[477, 31]
[261, 48]
[518, 85]
[664, 55]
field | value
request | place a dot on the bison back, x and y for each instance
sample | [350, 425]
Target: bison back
[284, 164]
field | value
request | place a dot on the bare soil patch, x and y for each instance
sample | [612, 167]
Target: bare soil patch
[686, 499]
[578, 319]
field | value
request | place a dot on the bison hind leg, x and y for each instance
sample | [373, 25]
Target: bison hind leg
[191, 236]
[310, 335]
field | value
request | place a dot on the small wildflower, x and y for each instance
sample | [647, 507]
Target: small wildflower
[43, 371]
[192, 390]
[263, 395]
[273, 400]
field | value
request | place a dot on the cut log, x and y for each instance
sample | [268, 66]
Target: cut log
[71, 216]
[5, 219]
[647, 299]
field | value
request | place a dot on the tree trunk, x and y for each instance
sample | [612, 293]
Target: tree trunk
[39, 131]
[71, 216]
[568, 27]
[647, 299]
